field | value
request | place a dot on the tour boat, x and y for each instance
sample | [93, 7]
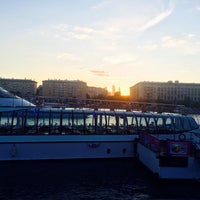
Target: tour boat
[35, 134]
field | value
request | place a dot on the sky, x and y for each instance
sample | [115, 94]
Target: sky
[101, 42]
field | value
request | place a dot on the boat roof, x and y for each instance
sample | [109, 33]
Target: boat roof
[8, 99]
[5, 94]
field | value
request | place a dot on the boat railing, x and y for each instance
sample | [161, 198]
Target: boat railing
[169, 147]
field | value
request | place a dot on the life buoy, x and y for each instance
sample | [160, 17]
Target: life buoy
[181, 137]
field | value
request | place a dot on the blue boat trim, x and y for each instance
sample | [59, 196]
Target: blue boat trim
[66, 138]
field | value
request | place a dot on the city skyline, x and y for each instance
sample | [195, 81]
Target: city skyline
[101, 42]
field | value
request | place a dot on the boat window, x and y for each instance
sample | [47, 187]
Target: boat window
[129, 120]
[67, 122]
[54, 122]
[142, 124]
[97, 122]
[185, 123]
[177, 123]
[55, 118]
[31, 122]
[111, 120]
[193, 123]
[67, 118]
[160, 122]
[122, 120]
[79, 122]
[104, 122]
[31, 118]
[43, 121]
[123, 124]
[111, 123]
[90, 123]
[169, 123]
[6, 118]
[131, 124]
[151, 122]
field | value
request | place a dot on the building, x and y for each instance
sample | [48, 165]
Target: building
[64, 89]
[94, 92]
[25, 88]
[171, 92]
[113, 90]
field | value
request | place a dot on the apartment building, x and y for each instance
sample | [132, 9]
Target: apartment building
[96, 91]
[64, 89]
[25, 88]
[172, 92]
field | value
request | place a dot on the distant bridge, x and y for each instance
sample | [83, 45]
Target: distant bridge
[108, 104]
[128, 105]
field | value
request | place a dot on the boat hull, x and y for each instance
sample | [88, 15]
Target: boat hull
[66, 147]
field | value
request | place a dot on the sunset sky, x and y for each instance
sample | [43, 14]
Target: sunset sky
[101, 42]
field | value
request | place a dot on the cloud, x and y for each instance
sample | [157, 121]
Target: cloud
[114, 19]
[111, 32]
[70, 32]
[82, 29]
[119, 58]
[171, 42]
[102, 4]
[158, 18]
[198, 8]
[186, 44]
[132, 16]
[99, 73]
[63, 27]
[189, 35]
[67, 56]
[148, 47]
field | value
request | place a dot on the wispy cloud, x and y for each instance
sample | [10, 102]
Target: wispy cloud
[115, 18]
[119, 58]
[186, 43]
[189, 35]
[171, 42]
[115, 22]
[148, 47]
[128, 15]
[68, 57]
[99, 73]
[70, 32]
[157, 19]
[62, 27]
[102, 4]
[198, 8]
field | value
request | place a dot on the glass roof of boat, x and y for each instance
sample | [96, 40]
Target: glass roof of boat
[6, 94]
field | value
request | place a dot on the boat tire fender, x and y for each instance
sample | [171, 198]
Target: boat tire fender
[182, 137]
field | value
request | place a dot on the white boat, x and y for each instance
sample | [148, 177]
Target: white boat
[35, 134]
[168, 144]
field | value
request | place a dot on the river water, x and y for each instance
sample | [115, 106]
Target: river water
[112, 179]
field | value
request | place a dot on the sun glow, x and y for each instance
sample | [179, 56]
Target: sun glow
[125, 91]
